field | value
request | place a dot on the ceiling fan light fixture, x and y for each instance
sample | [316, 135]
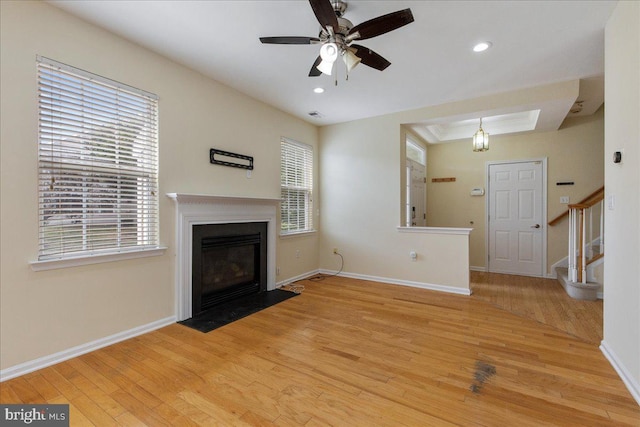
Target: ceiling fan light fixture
[480, 139]
[325, 67]
[350, 59]
[329, 54]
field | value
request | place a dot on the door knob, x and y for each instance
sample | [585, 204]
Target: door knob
[535, 226]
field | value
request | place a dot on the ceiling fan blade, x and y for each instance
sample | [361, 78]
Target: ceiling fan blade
[325, 14]
[314, 72]
[370, 58]
[289, 40]
[383, 24]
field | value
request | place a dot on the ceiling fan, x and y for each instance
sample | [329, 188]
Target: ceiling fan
[337, 34]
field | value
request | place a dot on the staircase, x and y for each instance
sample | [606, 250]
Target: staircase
[578, 290]
[579, 274]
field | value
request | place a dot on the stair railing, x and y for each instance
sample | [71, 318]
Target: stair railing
[581, 232]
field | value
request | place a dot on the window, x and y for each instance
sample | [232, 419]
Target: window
[97, 164]
[415, 151]
[296, 183]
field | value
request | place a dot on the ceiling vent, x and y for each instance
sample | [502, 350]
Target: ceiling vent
[316, 114]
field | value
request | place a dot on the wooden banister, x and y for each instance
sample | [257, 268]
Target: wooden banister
[588, 201]
[579, 206]
[595, 258]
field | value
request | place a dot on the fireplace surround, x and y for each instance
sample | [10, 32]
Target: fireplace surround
[197, 209]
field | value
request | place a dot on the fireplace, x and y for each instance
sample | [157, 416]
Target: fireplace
[194, 210]
[229, 261]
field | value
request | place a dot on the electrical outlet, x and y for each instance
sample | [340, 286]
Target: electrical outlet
[297, 254]
[335, 250]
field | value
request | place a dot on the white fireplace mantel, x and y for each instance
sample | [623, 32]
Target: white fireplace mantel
[198, 209]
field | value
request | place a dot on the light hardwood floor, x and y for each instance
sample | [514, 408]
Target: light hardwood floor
[348, 353]
[542, 300]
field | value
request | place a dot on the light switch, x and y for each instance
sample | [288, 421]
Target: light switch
[611, 202]
[564, 199]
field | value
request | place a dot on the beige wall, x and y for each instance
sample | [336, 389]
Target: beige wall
[360, 182]
[574, 153]
[42, 313]
[622, 181]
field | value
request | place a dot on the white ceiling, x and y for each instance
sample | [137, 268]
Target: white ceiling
[494, 125]
[534, 43]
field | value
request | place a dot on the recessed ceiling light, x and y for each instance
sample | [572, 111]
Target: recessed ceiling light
[481, 47]
[318, 90]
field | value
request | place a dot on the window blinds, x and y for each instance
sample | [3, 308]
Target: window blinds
[296, 181]
[97, 164]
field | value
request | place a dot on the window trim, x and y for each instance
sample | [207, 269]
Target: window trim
[298, 233]
[54, 264]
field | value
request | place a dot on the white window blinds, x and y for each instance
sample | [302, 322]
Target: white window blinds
[296, 182]
[97, 164]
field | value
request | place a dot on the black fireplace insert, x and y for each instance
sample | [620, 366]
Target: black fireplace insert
[229, 261]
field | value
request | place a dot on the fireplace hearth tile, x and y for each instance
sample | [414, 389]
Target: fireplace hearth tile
[231, 311]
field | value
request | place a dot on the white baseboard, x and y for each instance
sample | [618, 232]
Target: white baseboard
[296, 278]
[632, 383]
[474, 268]
[422, 285]
[61, 356]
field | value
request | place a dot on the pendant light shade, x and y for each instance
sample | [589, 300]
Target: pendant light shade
[481, 139]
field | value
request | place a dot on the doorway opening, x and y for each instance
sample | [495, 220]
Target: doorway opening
[416, 178]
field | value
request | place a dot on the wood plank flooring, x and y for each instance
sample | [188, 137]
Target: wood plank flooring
[542, 300]
[347, 353]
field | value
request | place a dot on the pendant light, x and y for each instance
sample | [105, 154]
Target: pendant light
[481, 139]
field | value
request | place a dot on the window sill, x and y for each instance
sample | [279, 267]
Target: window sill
[53, 264]
[301, 233]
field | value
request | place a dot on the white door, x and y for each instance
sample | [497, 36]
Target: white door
[417, 194]
[516, 219]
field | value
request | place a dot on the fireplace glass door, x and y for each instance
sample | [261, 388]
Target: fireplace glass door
[229, 261]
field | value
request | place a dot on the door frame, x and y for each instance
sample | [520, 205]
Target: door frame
[487, 183]
[411, 194]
